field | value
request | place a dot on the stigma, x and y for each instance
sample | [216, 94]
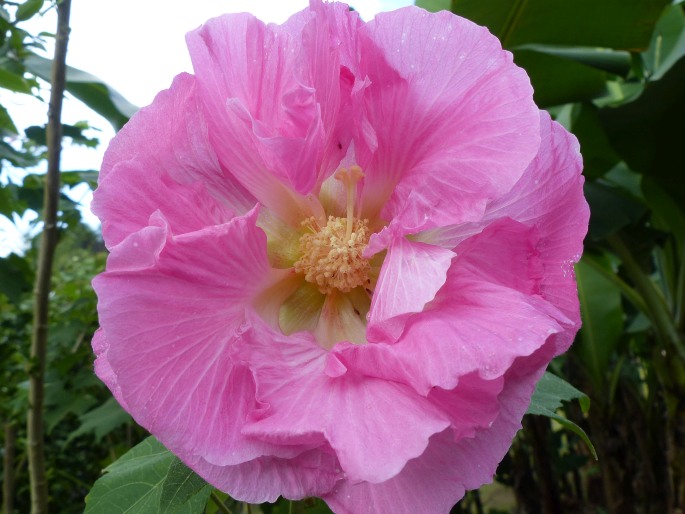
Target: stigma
[331, 253]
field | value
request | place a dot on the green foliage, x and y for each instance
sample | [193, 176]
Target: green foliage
[608, 23]
[435, 5]
[89, 89]
[549, 394]
[101, 421]
[16, 277]
[602, 314]
[28, 9]
[612, 72]
[73, 132]
[148, 479]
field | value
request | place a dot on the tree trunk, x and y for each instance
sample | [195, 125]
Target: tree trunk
[35, 434]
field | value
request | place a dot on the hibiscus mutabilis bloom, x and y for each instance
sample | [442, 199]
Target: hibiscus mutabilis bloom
[341, 256]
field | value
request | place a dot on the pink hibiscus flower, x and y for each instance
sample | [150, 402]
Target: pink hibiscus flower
[341, 257]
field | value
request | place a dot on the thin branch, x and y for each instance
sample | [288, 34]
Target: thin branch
[39, 486]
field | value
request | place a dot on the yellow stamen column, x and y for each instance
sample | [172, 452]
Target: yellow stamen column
[331, 255]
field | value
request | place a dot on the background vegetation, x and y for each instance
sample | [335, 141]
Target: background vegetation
[612, 72]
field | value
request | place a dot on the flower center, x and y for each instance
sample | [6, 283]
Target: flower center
[331, 255]
[332, 258]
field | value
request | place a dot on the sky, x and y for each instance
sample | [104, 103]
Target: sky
[136, 47]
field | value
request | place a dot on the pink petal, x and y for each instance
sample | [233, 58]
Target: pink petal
[471, 406]
[411, 275]
[131, 192]
[102, 368]
[454, 118]
[550, 197]
[312, 473]
[429, 483]
[176, 304]
[280, 101]
[374, 426]
[473, 326]
[162, 160]
[243, 73]
[549, 200]
[478, 457]
[506, 253]
[437, 479]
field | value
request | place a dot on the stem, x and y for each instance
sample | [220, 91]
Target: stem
[660, 315]
[35, 435]
[219, 504]
[631, 295]
[8, 463]
[680, 291]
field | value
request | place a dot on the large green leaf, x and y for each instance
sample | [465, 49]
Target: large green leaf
[550, 393]
[611, 208]
[647, 133]
[182, 487]
[667, 214]
[617, 62]
[138, 481]
[598, 155]
[600, 23]
[557, 80]
[668, 43]
[89, 89]
[435, 5]
[602, 314]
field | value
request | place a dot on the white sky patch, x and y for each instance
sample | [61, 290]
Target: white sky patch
[136, 47]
